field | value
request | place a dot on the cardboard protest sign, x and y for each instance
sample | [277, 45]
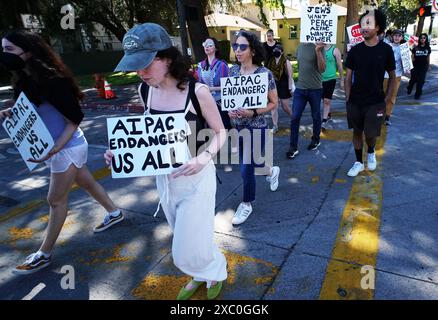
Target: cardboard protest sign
[354, 34]
[28, 131]
[319, 23]
[147, 145]
[406, 57]
[247, 92]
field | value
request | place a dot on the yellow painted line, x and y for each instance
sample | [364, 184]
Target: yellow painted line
[166, 287]
[20, 210]
[357, 240]
[36, 204]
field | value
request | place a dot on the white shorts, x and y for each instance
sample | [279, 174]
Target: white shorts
[62, 160]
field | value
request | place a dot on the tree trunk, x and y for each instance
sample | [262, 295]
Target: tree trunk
[420, 26]
[197, 27]
[352, 18]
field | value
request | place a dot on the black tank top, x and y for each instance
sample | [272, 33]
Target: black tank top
[197, 123]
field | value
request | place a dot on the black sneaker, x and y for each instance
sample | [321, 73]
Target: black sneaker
[34, 262]
[292, 153]
[314, 144]
[109, 221]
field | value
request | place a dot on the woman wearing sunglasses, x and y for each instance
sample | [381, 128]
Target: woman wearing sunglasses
[210, 71]
[421, 60]
[250, 55]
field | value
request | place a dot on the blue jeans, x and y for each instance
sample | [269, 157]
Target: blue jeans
[247, 170]
[301, 97]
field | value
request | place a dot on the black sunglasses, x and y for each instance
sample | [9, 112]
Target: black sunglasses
[242, 46]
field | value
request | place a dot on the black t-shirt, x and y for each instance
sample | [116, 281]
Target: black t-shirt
[369, 65]
[268, 51]
[421, 54]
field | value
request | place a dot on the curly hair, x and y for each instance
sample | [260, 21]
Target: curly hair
[44, 64]
[255, 45]
[380, 19]
[179, 65]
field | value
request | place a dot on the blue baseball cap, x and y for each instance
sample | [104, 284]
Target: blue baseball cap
[141, 45]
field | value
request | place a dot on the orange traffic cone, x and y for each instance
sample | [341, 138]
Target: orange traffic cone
[109, 93]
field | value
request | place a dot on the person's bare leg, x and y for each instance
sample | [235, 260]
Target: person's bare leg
[60, 184]
[327, 105]
[357, 139]
[85, 180]
[285, 104]
[274, 114]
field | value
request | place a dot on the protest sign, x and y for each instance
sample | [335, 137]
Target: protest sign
[28, 131]
[147, 145]
[434, 8]
[354, 34]
[406, 57]
[319, 23]
[247, 92]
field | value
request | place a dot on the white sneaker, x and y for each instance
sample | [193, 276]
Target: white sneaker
[356, 169]
[273, 179]
[274, 129]
[372, 162]
[242, 213]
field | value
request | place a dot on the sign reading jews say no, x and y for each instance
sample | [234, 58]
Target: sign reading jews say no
[247, 92]
[147, 145]
[28, 131]
[319, 24]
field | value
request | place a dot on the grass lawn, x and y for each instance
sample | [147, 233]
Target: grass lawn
[114, 79]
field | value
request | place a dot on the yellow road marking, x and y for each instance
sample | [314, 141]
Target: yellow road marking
[357, 239]
[36, 204]
[166, 287]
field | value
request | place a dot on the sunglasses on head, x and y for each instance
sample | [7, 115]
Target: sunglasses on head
[242, 46]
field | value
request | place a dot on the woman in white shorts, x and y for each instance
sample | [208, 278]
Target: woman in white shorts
[42, 76]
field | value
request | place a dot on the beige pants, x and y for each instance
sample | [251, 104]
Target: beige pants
[189, 205]
[391, 102]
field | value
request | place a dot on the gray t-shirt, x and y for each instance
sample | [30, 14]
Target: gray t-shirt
[308, 75]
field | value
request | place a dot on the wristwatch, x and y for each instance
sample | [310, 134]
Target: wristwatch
[255, 114]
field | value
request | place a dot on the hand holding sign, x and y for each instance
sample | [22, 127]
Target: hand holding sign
[52, 152]
[28, 132]
[245, 92]
[319, 24]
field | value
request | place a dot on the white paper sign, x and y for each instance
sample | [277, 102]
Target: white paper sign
[319, 23]
[247, 92]
[28, 131]
[354, 34]
[406, 57]
[147, 145]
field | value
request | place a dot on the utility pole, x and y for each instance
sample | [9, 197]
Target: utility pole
[182, 26]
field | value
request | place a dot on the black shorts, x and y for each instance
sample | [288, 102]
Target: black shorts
[366, 118]
[328, 87]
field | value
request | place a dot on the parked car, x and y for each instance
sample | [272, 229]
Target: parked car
[433, 42]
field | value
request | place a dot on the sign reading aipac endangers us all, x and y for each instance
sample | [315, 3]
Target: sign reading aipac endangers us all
[147, 145]
[247, 92]
[28, 131]
[319, 24]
